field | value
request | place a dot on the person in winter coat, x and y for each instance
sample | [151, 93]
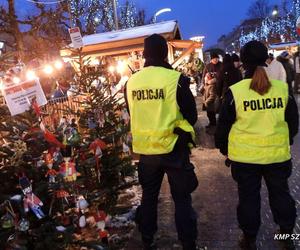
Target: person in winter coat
[258, 120]
[274, 69]
[284, 58]
[236, 60]
[228, 76]
[162, 114]
[209, 89]
[296, 58]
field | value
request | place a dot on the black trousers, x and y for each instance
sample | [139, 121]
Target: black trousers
[248, 178]
[211, 115]
[182, 181]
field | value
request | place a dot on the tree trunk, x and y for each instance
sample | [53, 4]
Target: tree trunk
[15, 29]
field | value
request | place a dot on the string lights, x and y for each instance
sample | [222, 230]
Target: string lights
[271, 27]
[17, 75]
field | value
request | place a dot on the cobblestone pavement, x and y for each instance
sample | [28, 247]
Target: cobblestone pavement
[215, 201]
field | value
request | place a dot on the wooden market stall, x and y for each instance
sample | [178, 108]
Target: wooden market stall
[277, 48]
[124, 42]
[127, 46]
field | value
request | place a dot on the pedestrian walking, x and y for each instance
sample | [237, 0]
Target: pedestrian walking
[162, 112]
[274, 69]
[296, 86]
[257, 123]
[209, 89]
[284, 59]
[228, 76]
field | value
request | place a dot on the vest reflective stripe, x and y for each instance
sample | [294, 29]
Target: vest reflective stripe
[154, 113]
[260, 134]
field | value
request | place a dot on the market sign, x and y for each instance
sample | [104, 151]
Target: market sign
[18, 97]
[76, 37]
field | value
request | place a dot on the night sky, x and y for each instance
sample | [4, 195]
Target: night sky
[210, 18]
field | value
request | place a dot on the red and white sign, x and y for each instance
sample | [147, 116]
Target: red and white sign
[76, 37]
[298, 26]
[18, 97]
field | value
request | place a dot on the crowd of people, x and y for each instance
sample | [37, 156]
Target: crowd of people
[258, 119]
[218, 76]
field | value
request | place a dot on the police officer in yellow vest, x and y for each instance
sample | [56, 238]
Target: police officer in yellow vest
[162, 112]
[257, 123]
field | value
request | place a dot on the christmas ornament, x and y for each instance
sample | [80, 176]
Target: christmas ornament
[23, 225]
[82, 204]
[57, 157]
[126, 149]
[51, 173]
[103, 234]
[30, 200]
[125, 116]
[97, 146]
[82, 221]
[100, 218]
[68, 170]
[9, 218]
[7, 221]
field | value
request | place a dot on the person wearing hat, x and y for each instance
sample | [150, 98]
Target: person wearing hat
[162, 114]
[284, 59]
[210, 86]
[256, 126]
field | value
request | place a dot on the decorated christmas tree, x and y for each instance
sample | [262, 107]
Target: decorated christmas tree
[84, 155]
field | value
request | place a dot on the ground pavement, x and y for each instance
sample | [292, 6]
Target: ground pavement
[215, 201]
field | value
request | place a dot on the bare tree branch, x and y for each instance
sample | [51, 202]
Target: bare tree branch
[259, 9]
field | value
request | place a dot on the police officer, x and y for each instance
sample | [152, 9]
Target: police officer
[162, 112]
[257, 123]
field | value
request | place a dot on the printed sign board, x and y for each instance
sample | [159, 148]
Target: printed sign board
[18, 97]
[76, 37]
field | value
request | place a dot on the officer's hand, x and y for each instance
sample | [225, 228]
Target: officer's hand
[228, 162]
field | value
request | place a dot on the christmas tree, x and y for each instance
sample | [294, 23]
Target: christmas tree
[95, 147]
[103, 118]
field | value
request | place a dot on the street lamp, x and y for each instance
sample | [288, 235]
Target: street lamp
[275, 11]
[160, 12]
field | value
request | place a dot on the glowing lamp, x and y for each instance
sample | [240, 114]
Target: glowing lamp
[121, 67]
[58, 64]
[16, 80]
[111, 69]
[48, 69]
[30, 75]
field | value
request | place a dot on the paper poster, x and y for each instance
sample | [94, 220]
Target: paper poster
[18, 97]
[76, 37]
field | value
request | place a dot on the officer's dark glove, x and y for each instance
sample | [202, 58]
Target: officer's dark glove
[184, 139]
[228, 162]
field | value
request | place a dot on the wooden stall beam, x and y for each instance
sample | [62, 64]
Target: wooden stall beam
[185, 53]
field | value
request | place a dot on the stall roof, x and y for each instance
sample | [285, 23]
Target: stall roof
[129, 40]
[122, 42]
[167, 27]
[283, 45]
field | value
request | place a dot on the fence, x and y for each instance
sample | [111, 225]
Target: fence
[59, 107]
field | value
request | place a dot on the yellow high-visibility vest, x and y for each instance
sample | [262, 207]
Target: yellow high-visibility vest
[260, 133]
[154, 112]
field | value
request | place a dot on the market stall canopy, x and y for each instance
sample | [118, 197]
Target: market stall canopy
[120, 42]
[283, 45]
